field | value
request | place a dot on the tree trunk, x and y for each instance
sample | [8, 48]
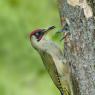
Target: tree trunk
[79, 46]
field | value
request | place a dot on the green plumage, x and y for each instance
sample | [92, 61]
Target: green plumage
[55, 64]
[48, 56]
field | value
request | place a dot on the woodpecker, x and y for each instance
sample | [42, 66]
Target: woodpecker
[53, 60]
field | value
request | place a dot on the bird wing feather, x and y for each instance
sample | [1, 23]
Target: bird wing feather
[52, 70]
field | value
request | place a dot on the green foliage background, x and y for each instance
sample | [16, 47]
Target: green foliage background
[21, 68]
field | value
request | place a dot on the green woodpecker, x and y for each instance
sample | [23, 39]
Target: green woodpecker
[52, 58]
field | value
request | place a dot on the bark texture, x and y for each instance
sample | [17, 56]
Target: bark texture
[79, 46]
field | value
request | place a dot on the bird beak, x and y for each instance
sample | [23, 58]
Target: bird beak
[45, 31]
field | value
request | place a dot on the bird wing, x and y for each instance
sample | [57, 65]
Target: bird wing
[49, 65]
[52, 70]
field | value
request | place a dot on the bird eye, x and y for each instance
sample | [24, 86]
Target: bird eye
[37, 34]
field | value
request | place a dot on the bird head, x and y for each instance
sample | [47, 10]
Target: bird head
[37, 35]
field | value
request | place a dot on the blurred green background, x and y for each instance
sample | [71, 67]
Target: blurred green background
[21, 69]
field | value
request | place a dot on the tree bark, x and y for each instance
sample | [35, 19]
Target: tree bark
[79, 46]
